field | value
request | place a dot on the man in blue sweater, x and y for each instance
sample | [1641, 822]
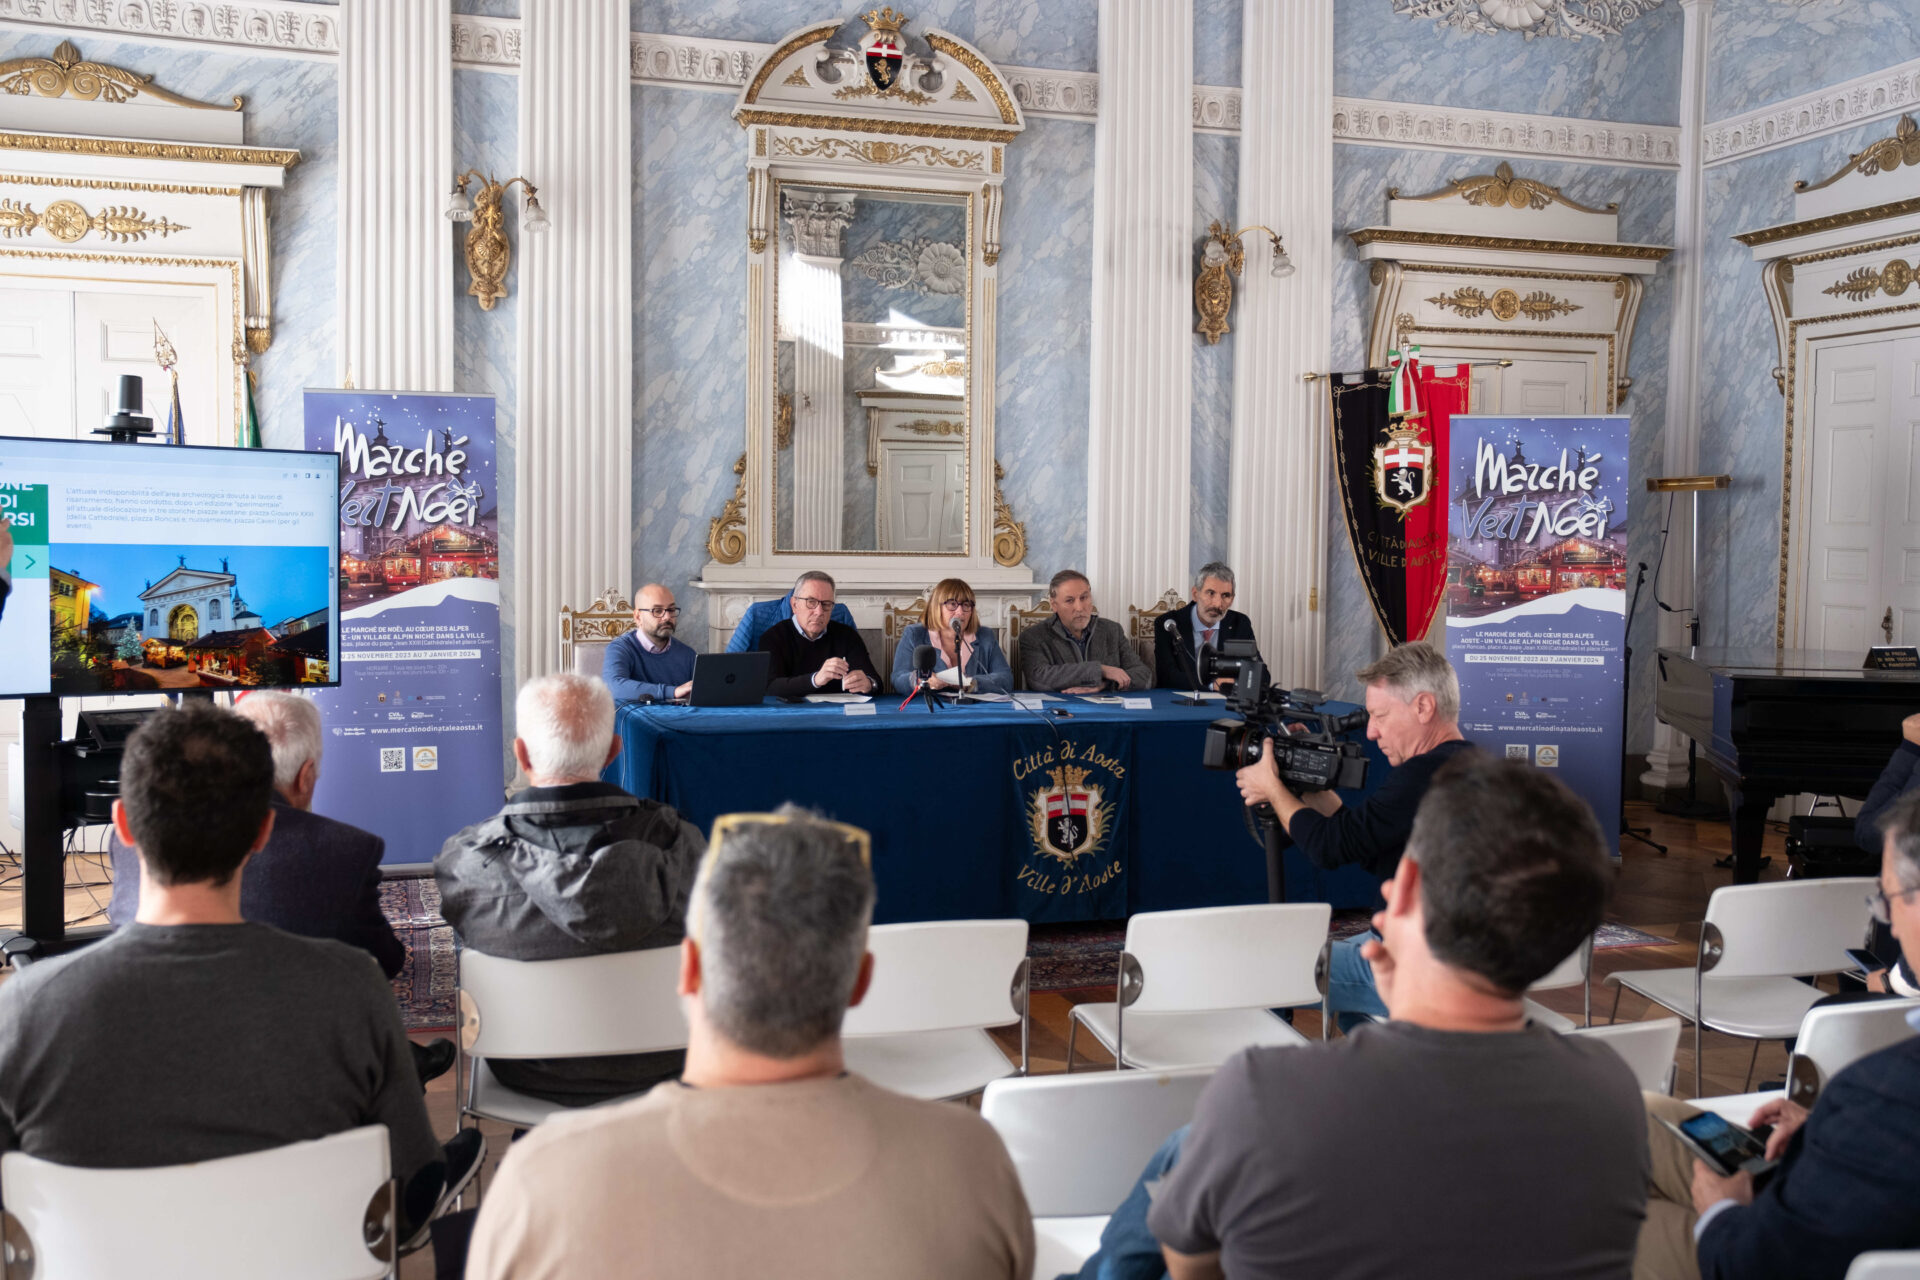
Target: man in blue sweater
[647, 664]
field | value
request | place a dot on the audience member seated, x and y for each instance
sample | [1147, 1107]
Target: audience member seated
[1901, 777]
[761, 616]
[193, 1033]
[1413, 712]
[648, 664]
[951, 605]
[1076, 652]
[1455, 1140]
[813, 653]
[1183, 636]
[571, 866]
[769, 1158]
[1849, 1173]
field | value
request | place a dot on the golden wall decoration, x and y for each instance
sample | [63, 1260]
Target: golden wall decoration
[1883, 156]
[961, 93]
[727, 534]
[896, 94]
[943, 369]
[877, 151]
[934, 427]
[796, 78]
[66, 72]
[67, 222]
[1221, 258]
[1505, 304]
[1501, 187]
[783, 421]
[1862, 284]
[1002, 100]
[1009, 535]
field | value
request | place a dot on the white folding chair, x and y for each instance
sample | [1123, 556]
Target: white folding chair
[1831, 1039]
[1756, 942]
[320, 1210]
[1079, 1144]
[921, 1030]
[1198, 986]
[1886, 1264]
[1571, 972]
[1648, 1048]
[585, 1007]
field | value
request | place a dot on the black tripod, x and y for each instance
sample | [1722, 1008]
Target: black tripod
[1627, 830]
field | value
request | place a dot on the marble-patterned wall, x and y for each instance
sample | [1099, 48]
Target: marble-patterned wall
[1216, 196]
[1025, 33]
[1763, 51]
[1646, 197]
[1216, 42]
[1635, 77]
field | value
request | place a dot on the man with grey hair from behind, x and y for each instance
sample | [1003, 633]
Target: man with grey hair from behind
[767, 1158]
[571, 866]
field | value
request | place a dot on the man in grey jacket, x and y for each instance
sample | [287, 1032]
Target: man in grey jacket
[1077, 652]
[572, 866]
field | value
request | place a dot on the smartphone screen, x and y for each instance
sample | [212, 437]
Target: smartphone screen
[1866, 960]
[1731, 1145]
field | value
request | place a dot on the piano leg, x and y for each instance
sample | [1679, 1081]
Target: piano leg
[1747, 814]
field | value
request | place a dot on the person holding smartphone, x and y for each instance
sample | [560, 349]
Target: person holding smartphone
[1847, 1180]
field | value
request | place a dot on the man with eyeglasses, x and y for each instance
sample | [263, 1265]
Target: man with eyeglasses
[813, 653]
[648, 664]
[1848, 1178]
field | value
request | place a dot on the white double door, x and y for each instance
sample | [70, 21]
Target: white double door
[1856, 575]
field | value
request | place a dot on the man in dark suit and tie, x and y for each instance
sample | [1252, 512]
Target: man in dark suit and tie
[1181, 637]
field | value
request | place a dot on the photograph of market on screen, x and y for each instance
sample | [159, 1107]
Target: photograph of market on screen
[416, 503]
[132, 618]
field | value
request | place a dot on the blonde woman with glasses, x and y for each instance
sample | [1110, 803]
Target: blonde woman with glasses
[952, 626]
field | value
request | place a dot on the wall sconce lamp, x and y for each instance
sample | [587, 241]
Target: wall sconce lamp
[1221, 258]
[488, 252]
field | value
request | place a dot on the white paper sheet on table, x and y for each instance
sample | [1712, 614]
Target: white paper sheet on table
[839, 697]
[1103, 697]
[1033, 701]
[989, 697]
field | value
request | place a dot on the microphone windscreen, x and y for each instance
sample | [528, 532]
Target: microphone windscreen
[924, 657]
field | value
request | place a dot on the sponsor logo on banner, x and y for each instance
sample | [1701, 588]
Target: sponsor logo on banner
[1401, 468]
[425, 759]
[1547, 756]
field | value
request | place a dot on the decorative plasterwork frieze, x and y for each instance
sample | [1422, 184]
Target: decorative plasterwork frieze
[486, 44]
[1841, 106]
[1061, 95]
[1394, 124]
[268, 26]
[720, 65]
[1570, 18]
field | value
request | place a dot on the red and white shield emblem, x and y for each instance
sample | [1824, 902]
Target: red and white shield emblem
[1401, 470]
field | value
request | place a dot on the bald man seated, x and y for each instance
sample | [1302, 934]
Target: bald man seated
[648, 664]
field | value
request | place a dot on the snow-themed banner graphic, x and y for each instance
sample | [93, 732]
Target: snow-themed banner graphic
[412, 734]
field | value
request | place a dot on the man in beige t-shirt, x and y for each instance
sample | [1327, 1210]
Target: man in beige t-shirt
[766, 1157]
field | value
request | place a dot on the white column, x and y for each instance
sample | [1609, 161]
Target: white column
[1277, 511]
[1138, 495]
[396, 166]
[1680, 440]
[575, 460]
[813, 312]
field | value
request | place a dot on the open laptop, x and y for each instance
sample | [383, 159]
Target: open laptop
[729, 679]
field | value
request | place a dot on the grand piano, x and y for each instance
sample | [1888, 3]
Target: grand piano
[1775, 723]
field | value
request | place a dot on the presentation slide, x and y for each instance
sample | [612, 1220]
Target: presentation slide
[143, 568]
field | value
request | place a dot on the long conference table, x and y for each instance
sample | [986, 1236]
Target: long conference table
[988, 810]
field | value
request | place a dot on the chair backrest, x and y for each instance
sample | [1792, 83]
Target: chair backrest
[1789, 928]
[1078, 1142]
[940, 976]
[586, 633]
[625, 1002]
[879, 650]
[1648, 1048]
[1018, 620]
[1253, 957]
[1886, 1264]
[1835, 1037]
[1570, 972]
[1141, 622]
[298, 1212]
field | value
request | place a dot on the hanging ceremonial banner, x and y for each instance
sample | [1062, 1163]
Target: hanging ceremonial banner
[413, 747]
[1536, 595]
[1072, 791]
[1390, 430]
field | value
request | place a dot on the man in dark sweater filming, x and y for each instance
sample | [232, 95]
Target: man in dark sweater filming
[1413, 712]
[813, 653]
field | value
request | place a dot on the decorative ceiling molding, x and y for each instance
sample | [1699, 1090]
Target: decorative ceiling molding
[1570, 18]
[486, 44]
[267, 26]
[1811, 115]
[1396, 124]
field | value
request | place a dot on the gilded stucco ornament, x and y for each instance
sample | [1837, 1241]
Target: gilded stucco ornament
[1570, 18]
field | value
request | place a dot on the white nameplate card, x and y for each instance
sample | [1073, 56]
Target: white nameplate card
[1137, 704]
[860, 709]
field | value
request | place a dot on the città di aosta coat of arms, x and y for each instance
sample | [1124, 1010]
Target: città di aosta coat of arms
[1070, 819]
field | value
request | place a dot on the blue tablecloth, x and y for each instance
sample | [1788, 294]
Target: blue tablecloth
[936, 791]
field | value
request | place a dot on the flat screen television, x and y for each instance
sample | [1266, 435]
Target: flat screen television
[157, 568]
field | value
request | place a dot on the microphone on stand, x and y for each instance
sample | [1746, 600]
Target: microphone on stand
[925, 656]
[960, 691]
[1172, 628]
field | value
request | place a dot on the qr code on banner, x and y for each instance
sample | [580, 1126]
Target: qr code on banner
[393, 760]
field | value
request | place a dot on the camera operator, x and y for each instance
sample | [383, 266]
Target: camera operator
[1413, 710]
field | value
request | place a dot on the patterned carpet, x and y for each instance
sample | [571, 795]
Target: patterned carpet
[425, 986]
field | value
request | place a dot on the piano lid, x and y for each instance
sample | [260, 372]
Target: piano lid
[1826, 664]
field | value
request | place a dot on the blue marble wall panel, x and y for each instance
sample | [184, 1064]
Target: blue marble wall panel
[1024, 33]
[290, 103]
[485, 356]
[1216, 41]
[1361, 177]
[1216, 196]
[1742, 413]
[488, 8]
[880, 221]
[1633, 77]
[1762, 51]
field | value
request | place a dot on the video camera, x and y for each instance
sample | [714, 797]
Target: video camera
[1310, 750]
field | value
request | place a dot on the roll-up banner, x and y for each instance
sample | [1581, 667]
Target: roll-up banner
[412, 733]
[1536, 595]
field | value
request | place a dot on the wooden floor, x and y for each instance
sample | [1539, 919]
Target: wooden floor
[1663, 894]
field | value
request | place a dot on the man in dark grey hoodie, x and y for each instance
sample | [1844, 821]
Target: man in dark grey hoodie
[572, 866]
